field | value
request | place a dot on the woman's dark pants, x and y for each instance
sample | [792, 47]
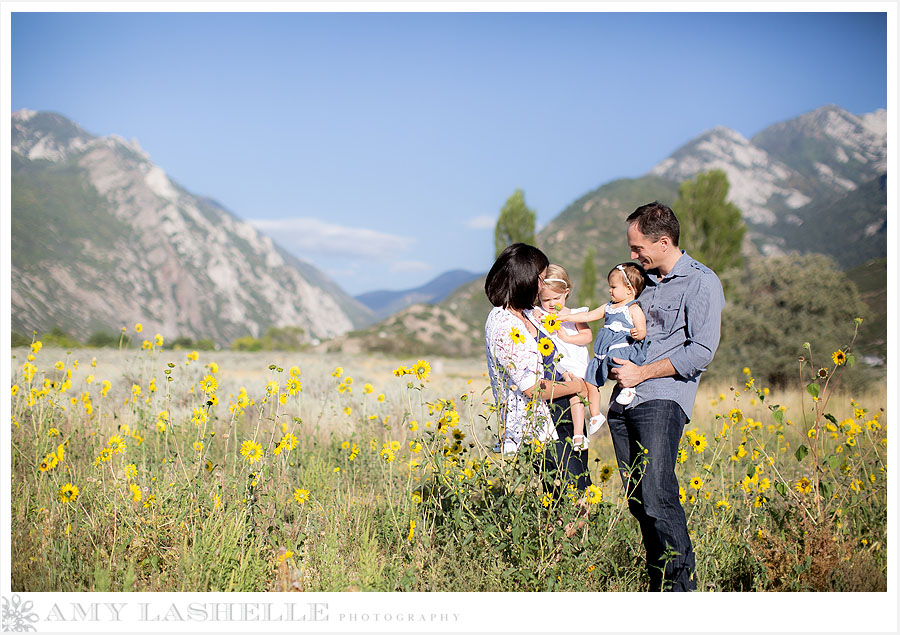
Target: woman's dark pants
[563, 465]
[652, 489]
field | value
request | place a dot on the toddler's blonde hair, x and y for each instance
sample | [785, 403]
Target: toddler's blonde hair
[557, 279]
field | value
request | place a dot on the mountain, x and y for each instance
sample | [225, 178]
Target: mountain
[800, 178]
[102, 238]
[384, 303]
[814, 183]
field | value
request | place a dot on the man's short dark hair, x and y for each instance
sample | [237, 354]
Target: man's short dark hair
[513, 279]
[655, 220]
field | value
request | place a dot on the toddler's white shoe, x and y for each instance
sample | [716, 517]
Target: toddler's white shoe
[580, 442]
[510, 447]
[595, 424]
[626, 396]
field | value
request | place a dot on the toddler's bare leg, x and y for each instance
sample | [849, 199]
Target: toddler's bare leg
[593, 398]
[577, 410]
[597, 417]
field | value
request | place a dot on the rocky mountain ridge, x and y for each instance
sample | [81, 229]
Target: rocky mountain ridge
[179, 263]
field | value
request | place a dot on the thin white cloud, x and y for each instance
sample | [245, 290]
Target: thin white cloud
[311, 235]
[482, 222]
[409, 266]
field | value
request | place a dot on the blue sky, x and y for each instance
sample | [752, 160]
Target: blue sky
[381, 146]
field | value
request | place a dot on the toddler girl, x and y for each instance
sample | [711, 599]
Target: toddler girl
[622, 336]
[570, 339]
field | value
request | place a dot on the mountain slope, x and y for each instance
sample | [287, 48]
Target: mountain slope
[384, 303]
[103, 238]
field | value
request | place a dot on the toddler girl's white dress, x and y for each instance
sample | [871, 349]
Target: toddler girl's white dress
[574, 356]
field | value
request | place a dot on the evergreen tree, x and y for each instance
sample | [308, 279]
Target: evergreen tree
[711, 228]
[778, 304]
[515, 224]
[586, 292]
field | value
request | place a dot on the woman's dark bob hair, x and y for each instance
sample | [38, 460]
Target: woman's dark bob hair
[513, 279]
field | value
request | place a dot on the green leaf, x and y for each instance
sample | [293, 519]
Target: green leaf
[781, 488]
[778, 414]
[833, 461]
[801, 452]
[831, 418]
[826, 489]
[851, 360]
[813, 389]
[751, 470]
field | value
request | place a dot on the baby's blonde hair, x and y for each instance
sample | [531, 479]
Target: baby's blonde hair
[557, 279]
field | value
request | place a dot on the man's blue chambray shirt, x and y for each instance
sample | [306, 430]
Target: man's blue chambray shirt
[683, 311]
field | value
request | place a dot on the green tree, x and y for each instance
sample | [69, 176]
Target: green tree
[284, 338]
[586, 292]
[247, 343]
[515, 224]
[780, 303]
[712, 229]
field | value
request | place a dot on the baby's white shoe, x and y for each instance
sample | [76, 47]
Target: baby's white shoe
[596, 423]
[626, 396]
[580, 442]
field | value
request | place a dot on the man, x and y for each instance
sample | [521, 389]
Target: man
[683, 302]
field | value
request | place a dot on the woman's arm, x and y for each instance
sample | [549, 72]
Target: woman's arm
[546, 389]
[639, 331]
[589, 316]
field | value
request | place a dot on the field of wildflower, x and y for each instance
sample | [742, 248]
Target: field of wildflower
[161, 470]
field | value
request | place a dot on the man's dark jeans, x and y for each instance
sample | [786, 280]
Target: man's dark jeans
[656, 426]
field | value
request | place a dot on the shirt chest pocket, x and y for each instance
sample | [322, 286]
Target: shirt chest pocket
[665, 315]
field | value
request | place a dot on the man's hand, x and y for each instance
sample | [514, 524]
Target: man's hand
[628, 375]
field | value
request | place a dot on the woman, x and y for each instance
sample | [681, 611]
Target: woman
[531, 395]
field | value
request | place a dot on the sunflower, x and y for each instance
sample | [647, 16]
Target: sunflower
[551, 322]
[68, 493]
[135, 492]
[301, 495]
[605, 473]
[516, 336]
[289, 441]
[422, 369]
[698, 442]
[595, 494]
[822, 373]
[696, 482]
[209, 384]
[545, 346]
[48, 462]
[251, 450]
[838, 357]
[116, 444]
[803, 485]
